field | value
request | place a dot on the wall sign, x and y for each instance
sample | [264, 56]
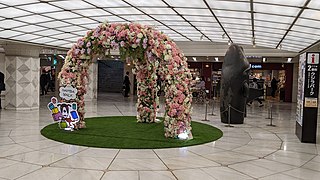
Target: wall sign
[308, 90]
[68, 92]
[255, 66]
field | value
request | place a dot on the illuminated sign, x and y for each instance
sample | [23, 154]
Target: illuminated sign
[255, 66]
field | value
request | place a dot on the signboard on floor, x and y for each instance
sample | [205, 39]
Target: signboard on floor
[307, 97]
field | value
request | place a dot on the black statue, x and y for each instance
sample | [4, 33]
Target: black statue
[234, 85]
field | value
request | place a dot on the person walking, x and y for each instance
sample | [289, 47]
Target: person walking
[274, 86]
[126, 83]
[255, 85]
[50, 79]
[43, 82]
[2, 86]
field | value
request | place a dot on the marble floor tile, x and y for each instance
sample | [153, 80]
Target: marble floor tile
[279, 176]
[290, 157]
[99, 152]
[156, 175]
[16, 170]
[260, 168]
[204, 149]
[192, 174]
[12, 149]
[83, 174]
[38, 157]
[137, 164]
[255, 150]
[6, 162]
[28, 138]
[188, 162]
[174, 152]
[314, 164]
[121, 175]
[80, 162]
[300, 147]
[229, 157]
[37, 145]
[136, 154]
[302, 173]
[47, 173]
[225, 173]
[6, 140]
[66, 149]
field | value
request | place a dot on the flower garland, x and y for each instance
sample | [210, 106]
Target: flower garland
[150, 51]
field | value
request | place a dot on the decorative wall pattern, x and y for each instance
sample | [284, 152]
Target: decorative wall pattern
[92, 83]
[22, 82]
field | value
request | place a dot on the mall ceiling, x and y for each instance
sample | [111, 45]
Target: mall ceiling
[291, 25]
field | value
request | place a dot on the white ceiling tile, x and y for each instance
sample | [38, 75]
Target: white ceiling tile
[71, 28]
[258, 33]
[308, 23]
[270, 30]
[111, 4]
[9, 33]
[236, 21]
[30, 28]
[212, 24]
[315, 4]
[184, 11]
[71, 5]
[237, 26]
[311, 13]
[157, 3]
[8, 23]
[176, 23]
[168, 17]
[40, 8]
[62, 15]
[43, 40]
[58, 42]
[11, 12]
[88, 26]
[54, 24]
[107, 18]
[271, 24]
[200, 18]
[48, 32]
[274, 9]
[128, 10]
[14, 3]
[303, 35]
[306, 29]
[297, 3]
[80, 21]
[191, 4]
[273, 18]
[92, 12]
[26, 37]
[163, 11]
[230, 5]
[138, 18]
[34, 19]
[63, 36]
[80, 33]
[222, 13]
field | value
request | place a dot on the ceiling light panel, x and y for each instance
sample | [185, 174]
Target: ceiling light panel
[92, 12]
[71, 28]
[7, 24]
[42, 40]
[306, 29]
[315, 4]
[40, 8]
[62, 15]
[107, 18]
[11, 12]
[80, 21]
[9, 33]
[14, 3]
[230, 5]
[163, 11]
[176, 23]
[236, 21]
[270, 30]
[90, 26]
[73, 39]
[64, 36]
[110, 4]
[58, 42]
[48, 32]
[30, 28]
[34, 19]
[157, 3]
[300, 39]
[297, 3]
[71, 5]
[287, 41]
[196, 12]
[168, 17]
[222, 13]
[149, 23]
[138, 18]
[54, 24]
[80, 33]
[274, 9]
[308, 36]
[119, 11]
[200, 18]
[258, 33]
[236, 26]
[273, 18]
[308, 23]
[25, 37]
[271, 24]
[205, 24]
[183, 3]
[311, 14]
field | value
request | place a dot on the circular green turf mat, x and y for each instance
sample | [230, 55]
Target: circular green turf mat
[123, 132]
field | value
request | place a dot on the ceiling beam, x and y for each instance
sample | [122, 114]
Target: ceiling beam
[294, 21]
[224, 30]
[252, 22]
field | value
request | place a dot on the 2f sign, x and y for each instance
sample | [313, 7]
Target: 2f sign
[68, 92]
[313, 58]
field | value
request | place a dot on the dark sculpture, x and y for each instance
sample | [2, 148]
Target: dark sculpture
[234, 85]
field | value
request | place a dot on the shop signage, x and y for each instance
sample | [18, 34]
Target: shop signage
[307, 105]
[255, 66]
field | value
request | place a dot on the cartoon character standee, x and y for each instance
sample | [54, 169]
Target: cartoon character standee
[65, 113]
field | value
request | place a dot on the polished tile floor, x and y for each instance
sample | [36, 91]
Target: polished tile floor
[248, 151]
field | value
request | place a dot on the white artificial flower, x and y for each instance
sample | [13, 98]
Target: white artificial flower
[140, 35]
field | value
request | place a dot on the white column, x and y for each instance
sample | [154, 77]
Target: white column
[22, 72]
[92, 85]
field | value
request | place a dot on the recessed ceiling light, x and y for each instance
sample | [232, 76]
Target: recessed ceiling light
[216, 58]
[289, 59]
[194, 58]
[264, 59]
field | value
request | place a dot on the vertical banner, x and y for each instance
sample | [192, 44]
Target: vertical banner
[308, 90]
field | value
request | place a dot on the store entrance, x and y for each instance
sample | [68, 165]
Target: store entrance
[274, 89]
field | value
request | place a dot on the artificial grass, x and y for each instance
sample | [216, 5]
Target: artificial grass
[123, 132]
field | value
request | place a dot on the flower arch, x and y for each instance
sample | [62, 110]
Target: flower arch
[153, 54]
